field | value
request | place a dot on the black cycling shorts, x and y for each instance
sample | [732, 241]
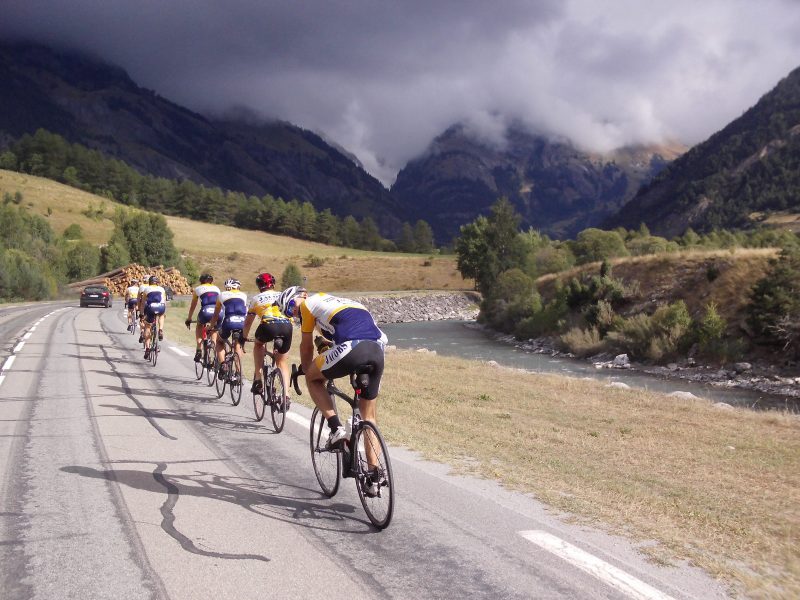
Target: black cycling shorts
[274, 330]
[346, 358]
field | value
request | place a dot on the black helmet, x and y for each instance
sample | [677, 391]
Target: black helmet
[153, 279]
[206, 278]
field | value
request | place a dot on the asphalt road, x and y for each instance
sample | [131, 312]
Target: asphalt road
[123, 480]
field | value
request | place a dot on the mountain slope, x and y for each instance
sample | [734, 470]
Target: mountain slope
[753, 164]
[99, 106]
[555, 187]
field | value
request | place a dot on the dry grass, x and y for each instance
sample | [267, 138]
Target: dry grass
[229, 252]
[719, 488]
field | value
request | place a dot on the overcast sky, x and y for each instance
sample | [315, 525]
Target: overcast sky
[383, 77]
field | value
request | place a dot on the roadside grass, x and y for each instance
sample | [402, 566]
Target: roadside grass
[230, 252]
[718, 488]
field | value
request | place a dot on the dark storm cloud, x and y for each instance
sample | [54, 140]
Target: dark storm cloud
[383, 77]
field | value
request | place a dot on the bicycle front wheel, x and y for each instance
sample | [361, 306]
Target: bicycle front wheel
[235, 380]
[210, 363]
[277, 390]
[260, 400]
[221, 379]
[327, 466]
[199, 367]
[374, 475]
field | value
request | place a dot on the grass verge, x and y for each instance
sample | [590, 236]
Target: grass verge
[719, 488]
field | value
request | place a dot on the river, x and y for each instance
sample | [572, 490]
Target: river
[456, 338]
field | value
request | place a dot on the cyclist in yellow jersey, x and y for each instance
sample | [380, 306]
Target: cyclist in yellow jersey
[131, 300]
[356, 341]
[272, 326]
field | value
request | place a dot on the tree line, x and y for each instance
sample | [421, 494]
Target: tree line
[49, 155]
[584, 314]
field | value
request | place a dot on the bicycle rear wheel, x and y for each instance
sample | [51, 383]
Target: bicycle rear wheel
[199, 368]
[327, 466]
[235, 379]
[134, 319]
[260, 400]
[221, 379]
[374, 475]
[278, 406]
[210, 363]
[154, 345]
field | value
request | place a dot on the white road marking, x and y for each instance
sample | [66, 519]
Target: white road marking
[607, 573]
[177, 351]
[2, 378]
[298, 419]
[9, 361]
[19, 347]
[27, 336]
[32, 328]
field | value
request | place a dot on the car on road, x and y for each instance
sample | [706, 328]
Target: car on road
[98, 295]
[169, 292]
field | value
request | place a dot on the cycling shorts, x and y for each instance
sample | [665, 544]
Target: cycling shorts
[235, 323]
[207, 313]
[276, 330]
[132, 304]
[151, 311]
[346, 357]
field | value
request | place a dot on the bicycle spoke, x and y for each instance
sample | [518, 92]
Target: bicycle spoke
[374, 475]
[277, 391]
[327, 466]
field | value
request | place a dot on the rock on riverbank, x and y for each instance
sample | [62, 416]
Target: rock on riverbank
[406, 308]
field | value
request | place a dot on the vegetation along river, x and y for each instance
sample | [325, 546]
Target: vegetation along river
[457, 338]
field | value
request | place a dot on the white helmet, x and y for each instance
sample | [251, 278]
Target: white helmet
[287, 296]
[232, 284]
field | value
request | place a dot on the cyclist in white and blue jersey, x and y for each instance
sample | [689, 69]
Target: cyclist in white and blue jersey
[206, 295]
[229, 315]
[153, 305]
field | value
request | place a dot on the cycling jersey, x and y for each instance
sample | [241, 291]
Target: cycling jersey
[131, 296]
[263, 306]
[207, 295]
[154, 301]
[235, 304]
[341, 319]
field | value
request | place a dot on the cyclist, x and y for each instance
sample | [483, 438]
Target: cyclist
[356, 341]
[131, 299]
[234, 303]
[273, 326]
[142, 292]
[206, 293]
[153, 305]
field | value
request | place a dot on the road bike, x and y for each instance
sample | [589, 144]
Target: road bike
[230, 375]
[207, 356]
[154, 349]
[363, 455]
[273, 391]
[134, 322]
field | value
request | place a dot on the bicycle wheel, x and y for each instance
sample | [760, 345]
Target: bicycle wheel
[327, 466]
[133, 323]
[374, 475]
[210, 363]
[260, 400]
[278, 407]
[154, 346]
[221, 380]
[235, 379]
[199, 367]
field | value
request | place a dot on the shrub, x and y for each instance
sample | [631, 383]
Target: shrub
[291, 276]
[73, 232]
[312, 260]
[711, 331]
[583, 342]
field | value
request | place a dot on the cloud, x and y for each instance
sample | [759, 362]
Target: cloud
[383, 78]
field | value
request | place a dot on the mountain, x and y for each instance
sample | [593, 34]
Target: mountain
[96, 104]
[750, 166]
[556, 187]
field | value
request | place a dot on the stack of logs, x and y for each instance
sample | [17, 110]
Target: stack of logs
[120, 279]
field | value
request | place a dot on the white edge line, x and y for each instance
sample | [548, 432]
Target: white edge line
[32, 328]
[9, 361]
[607, 573]
[2, 378]
[27, 336]
[177, 351]
[19, 347]
[298, 419]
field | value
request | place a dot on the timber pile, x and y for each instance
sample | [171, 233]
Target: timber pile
[119, 280]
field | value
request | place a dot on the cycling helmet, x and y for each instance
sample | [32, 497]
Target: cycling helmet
[153, 279]
[265, 280]
[134, 281]
[232, 284]
[206, 278]
[286, 297]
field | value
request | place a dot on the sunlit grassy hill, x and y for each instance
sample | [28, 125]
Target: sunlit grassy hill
[230, 252]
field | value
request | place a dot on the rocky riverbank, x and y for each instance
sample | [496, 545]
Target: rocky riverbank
[760, 377]
[407, 307]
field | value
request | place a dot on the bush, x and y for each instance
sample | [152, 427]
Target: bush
[546, 321]
[291, 276]
[313, 260]
[73, 232]
[82, 261]
[22, 277]
[583, 342]
[711, 330]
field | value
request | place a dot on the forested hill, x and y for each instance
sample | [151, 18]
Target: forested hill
[99, 106]
[750, 166]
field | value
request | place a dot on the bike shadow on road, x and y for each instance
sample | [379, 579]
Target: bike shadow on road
[249, 494]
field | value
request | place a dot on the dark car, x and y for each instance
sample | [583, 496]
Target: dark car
[98, 295]
[169, 292]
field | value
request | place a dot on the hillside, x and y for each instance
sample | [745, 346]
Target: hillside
[98, 105]
[227, 251]
[752, 165]
[557, 188]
